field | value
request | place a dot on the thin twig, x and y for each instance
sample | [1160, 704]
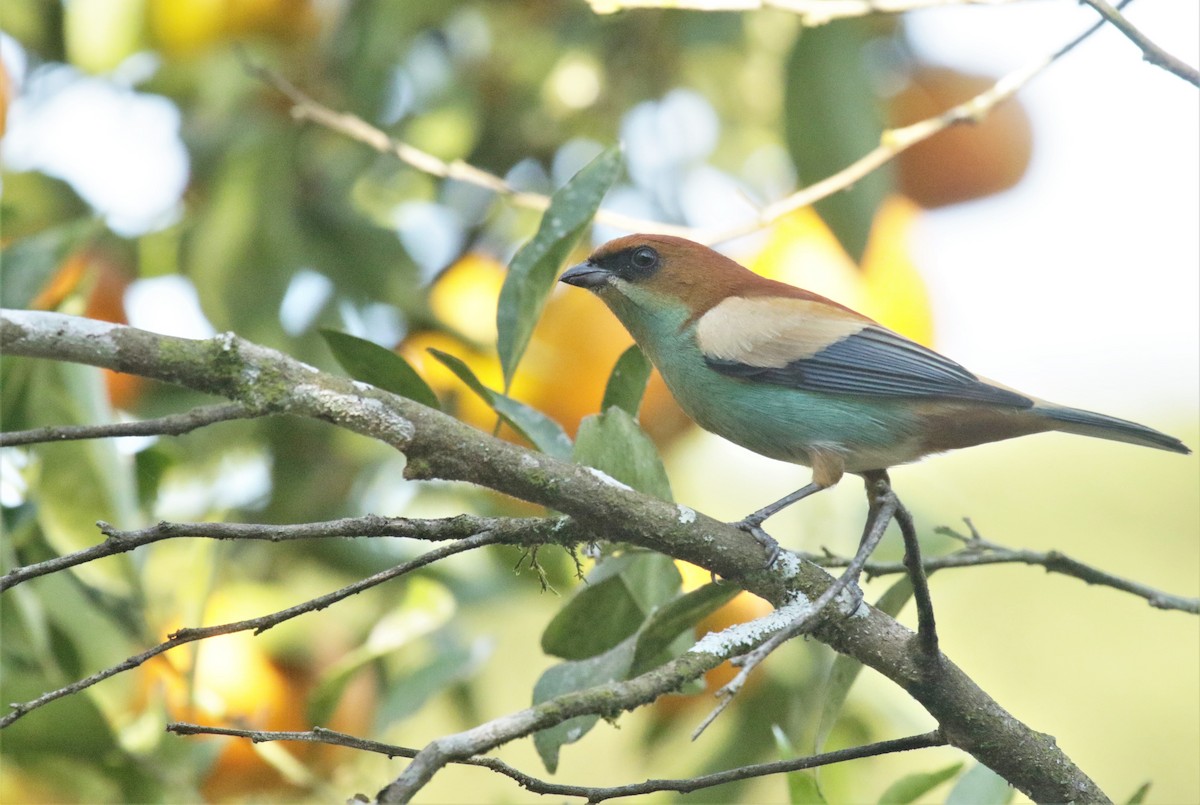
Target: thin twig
[811, 12]
[438, 446]
[977, 551]
[171, 425]
[591, 794]
[258, 625]
[1150, 51]
[895, 141]
[306, 108]
[877, 524]
[892, 143]
[511, 530]
[879, 484]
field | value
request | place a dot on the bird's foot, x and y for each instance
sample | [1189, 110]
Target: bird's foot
[753, 527]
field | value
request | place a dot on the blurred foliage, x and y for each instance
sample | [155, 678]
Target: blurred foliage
[282, 232]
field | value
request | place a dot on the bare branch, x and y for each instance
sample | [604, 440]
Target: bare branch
[172, 425]
[882, 511]
[591, 793]
[977, 551]
[892, 143]
[257, 625]
[306, 108]
[811, 12]
[895, 141]
[1150, 51]
[513, 531]
[438, 446]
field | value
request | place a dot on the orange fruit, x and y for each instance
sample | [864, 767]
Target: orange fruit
[966, 161]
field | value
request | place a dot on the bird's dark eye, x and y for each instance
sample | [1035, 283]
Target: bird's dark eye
[644, 258]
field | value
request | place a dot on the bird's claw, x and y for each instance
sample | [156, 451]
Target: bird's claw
[755, 529]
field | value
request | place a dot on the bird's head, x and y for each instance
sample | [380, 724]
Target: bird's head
[653, 275]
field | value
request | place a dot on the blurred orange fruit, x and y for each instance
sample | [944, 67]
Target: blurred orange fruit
[105, 300]
[965, 161]
[233, 682]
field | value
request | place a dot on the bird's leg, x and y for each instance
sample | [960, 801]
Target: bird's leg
[756, 519]
[752, 523]
[879, 489]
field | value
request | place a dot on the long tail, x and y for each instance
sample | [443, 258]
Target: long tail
[1085, 423]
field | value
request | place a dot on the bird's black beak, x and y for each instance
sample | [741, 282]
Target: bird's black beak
[585, 275]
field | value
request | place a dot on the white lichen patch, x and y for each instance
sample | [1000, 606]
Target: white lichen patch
[729, 641]
[608, 479]
[686, 515]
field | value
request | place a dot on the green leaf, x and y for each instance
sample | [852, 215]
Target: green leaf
[613, 443]
[542, 432]
[533, 270]
[675, 617]
[367, 361]
[620, 595]
[833, 118]
[598, 618]
[627, 383]
[1139, 796]
[28, 265]
[980, 786]
[569, 677]
[803, 786]
[914, 786]
[845, 669]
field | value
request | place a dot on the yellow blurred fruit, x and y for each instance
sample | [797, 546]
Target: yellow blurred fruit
[803, 251]
[5, 97]
[186, 27]
[454, 394]
[966, 161]
[100, 34]
[233, 682]
[564, 371]
[893, 292]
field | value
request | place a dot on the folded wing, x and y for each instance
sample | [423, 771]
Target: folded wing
[809, 344]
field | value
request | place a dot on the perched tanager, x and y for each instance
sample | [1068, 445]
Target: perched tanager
[797, 377]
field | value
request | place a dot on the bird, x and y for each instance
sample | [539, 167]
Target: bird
[794, 376]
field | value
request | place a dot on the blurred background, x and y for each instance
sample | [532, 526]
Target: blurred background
[148, 177]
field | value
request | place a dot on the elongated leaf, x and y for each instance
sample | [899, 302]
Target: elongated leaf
[532, 273]
[833, 118]
[980, 786]
[542, 432]
[912, 787]
[615, 444]
[27, 265]
[568, 677]
[621, 593]
[627, 383]
[367, 361]
[598, 618]
[1139, 796]
[673, 619]
[845, 669]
